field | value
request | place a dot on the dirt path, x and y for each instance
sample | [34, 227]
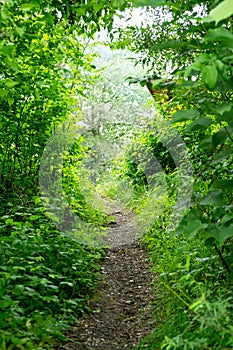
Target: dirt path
[121, 314]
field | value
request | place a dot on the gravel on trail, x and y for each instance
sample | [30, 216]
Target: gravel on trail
[121, 313]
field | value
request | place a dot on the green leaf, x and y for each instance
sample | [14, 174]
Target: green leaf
[214, 232]
[10, 101]
[11, 83]
[221, 232]
[207, 143]
[49, 18]
[223, 184]
[222, 11]
[201, 123]
[210, 75]
[9, 221]
[5, 14]
[224, 107]
[3, 93]
[20, 31]
[226, 218]
[221, 156]
[81, 11]
[27, 6]
[34, 217]
[97, 7]
[196, 305]
[227, 117]
[151, 3]
[218, 34]
[212, 198]
[182, 116]
[226, 232]
[219, 137]
[156, 82]
[190, 225]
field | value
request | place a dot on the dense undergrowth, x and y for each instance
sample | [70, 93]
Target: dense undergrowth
[194, 293]
[193, 287]
[46, 278]
[47, 275]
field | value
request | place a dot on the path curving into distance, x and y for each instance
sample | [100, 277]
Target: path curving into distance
[122, 311]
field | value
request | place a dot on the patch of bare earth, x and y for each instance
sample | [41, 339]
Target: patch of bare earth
[121, 313]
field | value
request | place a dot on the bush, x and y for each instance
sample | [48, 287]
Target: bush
[46, 279]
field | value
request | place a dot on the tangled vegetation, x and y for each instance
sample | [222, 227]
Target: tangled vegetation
[187, 49]
[47, 76]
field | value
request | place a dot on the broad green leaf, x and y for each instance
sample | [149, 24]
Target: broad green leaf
[10, 101]
[218, 34]
[49, 18]
[5, 13]
[226, 232]
[212, 198]
[26, 7]
[192, 228]
[227, 117]
[182, 116]
[223, 184]
[9, 221]
[201, 123]
[219, 137]
[20, 31]
[81, 11]
[221, 11]
[190, 225]
[5, 49]
[156, 82]
[151, 3]
[97, 7]
[224, 107]
[222, 135]
[3, 93]
[214, 232]
[221, 232]
[210, 75]
[207, 143]
[221, 156]
[11, 83]
[226, 218]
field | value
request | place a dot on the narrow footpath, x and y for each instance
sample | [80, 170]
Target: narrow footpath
[122, 311]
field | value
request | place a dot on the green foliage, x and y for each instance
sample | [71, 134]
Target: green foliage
[45, 74]
[193, 51]
[45, 279]
[152, 3]
[220, 12]
[206, 128]
[193, 307]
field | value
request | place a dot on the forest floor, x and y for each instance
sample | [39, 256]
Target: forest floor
[121, 313]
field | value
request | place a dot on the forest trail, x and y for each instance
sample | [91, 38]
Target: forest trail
[122, 311]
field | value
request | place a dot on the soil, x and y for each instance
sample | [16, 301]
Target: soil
[122, 311]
